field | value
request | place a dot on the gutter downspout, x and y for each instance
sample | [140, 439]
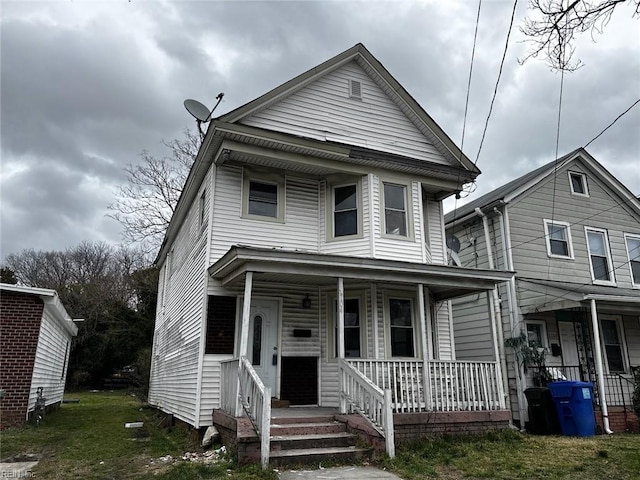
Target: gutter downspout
[599, 367]
[516, 326]
[497, 315]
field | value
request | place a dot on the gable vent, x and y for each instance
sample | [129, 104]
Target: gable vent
[355, 89]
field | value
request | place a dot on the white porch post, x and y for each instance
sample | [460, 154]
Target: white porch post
[599, 367]
[343, 404]
[494, 315]
[426, 374]
[244, 331]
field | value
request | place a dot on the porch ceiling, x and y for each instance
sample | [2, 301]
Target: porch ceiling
[286, 266]
[556, 295]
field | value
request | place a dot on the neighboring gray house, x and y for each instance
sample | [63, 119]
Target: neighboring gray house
[571, 232]
[305, 262]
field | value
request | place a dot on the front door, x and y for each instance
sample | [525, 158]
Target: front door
[263, 341]
[570, 357]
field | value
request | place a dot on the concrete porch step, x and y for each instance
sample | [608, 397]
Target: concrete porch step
[321, 440]
[306, 419]
[316, 455]
[307, 428]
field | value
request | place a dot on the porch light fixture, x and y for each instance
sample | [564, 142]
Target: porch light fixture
[306, 302]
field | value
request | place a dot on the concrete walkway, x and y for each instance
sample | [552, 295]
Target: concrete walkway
[341, 473]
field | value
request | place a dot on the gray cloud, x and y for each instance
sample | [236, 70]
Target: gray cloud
[86, 87]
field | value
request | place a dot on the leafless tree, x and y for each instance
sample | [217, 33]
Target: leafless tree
[556, 24]
[146, 202]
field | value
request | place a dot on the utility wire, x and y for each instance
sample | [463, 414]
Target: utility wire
[611, 124]
[495, 90]
[466, 103]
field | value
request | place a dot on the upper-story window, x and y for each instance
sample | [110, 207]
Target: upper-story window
[395, 209]
[599, 255]
[558, 238]
[263, 197]
[345, 210]
[578, 182]
[633, 252]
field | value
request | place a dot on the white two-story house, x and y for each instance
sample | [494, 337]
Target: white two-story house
[571, 232]
[307, 257]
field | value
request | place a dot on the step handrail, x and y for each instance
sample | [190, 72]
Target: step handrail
[256, 401]
[368, 400]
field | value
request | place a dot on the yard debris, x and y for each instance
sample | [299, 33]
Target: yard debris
[211, 436]
[206, 457]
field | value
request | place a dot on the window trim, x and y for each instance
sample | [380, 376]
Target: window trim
[633, 236]
[547, 236]
[617, 319]
[267, 179]
[408, 198]
[202, 208]
[607, 247]
[583, 179]
[543, 331]
[331, 203]
[332, 299]
[417, 346]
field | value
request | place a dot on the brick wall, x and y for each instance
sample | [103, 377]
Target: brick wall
[20, 318]
[620, 420]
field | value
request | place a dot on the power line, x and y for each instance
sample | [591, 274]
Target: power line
[495, 90]
[611, 124]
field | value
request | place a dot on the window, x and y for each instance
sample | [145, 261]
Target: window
[600, 256]
[351, 328]
[345, 210]
[221, 321]
[633, 252]
[401, 327]
[612, 347]
[558, 237]
[202, 206]
[263, 196]
[395, 209]
[578, 182]
[536, 334]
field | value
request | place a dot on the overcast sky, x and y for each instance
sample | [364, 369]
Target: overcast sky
[86, 86]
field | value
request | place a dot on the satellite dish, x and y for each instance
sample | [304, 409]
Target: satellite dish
[197, 109]
[453, 243]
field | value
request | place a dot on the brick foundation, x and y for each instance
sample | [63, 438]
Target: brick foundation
[620, 420]
[20, 318]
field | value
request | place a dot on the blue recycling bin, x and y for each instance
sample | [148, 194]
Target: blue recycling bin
[574, 404]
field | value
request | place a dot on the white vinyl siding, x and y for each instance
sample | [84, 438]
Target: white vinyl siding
[436, 239]
[299, 229]
[50, 361]
[173, 385]
[323, 110]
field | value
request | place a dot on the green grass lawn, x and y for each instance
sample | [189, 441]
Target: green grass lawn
[88, 440]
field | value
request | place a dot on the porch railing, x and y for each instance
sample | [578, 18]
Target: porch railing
[245, 391]
[453, 385]
[369, 400]
[618, 388]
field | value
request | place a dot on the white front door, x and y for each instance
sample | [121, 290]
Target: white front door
[568, 343]
[263, 341]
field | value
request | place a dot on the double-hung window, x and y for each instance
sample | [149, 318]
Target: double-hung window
[345, 210]
[395, 209]
[263, 197]
[352, 324]
[599, 255]
[536, 334]
[633, 252]
[401, 327]
[613, 348]
[558, 238]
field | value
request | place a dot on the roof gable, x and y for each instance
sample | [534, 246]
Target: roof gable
[521, 186]
[305, 106]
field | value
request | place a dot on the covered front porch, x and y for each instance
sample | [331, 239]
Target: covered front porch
[373, 336]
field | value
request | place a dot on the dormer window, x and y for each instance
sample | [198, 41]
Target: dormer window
[578, 182]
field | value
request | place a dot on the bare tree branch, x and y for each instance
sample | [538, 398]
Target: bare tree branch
[553, 34]
[146, 202]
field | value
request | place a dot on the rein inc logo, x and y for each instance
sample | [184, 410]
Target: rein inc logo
[17, 473]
